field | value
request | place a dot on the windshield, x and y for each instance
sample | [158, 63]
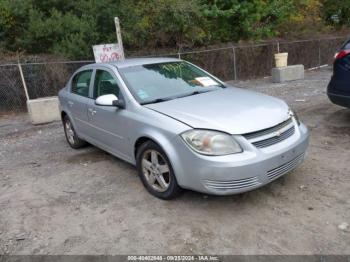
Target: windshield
[154, 83]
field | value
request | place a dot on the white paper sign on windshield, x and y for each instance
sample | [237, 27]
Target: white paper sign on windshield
[206, 81]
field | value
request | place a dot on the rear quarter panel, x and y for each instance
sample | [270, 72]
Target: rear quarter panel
[63, 96]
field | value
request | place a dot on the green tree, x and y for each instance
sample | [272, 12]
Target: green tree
[171, 23]
[337, 12]
[59, 33]
[69, 28]
[232, 20]
[13, 19]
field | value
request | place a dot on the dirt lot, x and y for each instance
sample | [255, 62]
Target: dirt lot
[55, 200]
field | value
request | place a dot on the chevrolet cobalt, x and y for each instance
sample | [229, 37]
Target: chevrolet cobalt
[182, 127]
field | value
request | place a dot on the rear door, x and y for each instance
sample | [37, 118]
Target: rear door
[109, 123]
[79, 98]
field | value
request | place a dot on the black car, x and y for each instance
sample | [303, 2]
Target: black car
[339, 86]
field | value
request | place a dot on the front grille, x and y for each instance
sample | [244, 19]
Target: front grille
[267, 131]
[275, 139]
[285, 168]
[273, 135]
[232, 184]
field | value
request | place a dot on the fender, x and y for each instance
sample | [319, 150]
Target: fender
[165, 142]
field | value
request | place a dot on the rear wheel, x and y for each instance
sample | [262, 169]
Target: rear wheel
[73, 140]
[155, 171]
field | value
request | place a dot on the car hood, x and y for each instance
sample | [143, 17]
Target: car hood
[231, 110]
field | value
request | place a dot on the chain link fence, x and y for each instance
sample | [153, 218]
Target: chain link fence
[12, 96]
[46, 79]
[235, 62]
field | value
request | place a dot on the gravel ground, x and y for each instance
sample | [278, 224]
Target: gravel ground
[56, 200]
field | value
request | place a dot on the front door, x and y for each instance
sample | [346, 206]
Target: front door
[109, 123]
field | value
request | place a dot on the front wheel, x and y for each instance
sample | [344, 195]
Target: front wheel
[73, 140]
[155, 171]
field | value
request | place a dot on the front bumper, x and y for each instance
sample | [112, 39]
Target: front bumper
[237, 173]
[339, 99]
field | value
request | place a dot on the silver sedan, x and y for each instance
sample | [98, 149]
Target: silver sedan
[182, 127]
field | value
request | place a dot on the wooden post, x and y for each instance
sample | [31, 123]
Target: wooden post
[119, 36]
[22, 78]
[234, 63]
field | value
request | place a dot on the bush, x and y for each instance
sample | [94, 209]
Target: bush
[337, 12]
[245, 19]
[69, 28]
[306, 22]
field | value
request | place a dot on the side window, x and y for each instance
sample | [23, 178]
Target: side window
[105, 84]
[81, 83]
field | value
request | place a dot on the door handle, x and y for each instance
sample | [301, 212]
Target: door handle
[92, 111]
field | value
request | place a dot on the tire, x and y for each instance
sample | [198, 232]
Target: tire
[71, 136]
[156, 172]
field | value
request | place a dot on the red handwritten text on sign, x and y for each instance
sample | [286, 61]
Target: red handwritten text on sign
[107, 53]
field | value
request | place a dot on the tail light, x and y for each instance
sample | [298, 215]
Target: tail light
[341, 54]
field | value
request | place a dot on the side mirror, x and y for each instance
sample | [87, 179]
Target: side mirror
[119, 103]
[109, 100]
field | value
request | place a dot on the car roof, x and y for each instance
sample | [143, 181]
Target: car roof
[140, 61]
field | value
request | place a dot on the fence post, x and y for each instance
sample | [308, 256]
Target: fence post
[234, 64]
[179, 52]
[319, 52]
[23, 80]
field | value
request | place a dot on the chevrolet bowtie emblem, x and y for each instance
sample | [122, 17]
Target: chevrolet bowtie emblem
[278, 133]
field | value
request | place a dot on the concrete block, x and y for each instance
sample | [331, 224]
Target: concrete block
[43, 110]
[287, 73]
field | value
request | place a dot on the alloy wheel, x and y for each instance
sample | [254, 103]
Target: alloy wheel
[70, 132]
[156, 170]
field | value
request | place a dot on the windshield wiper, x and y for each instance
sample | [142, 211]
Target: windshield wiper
[195, 93]
[158, 100]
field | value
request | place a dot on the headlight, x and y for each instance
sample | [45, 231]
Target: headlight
[294, 114]
[211, 142]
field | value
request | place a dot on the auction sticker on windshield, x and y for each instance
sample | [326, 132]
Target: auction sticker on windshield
[206, 81]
